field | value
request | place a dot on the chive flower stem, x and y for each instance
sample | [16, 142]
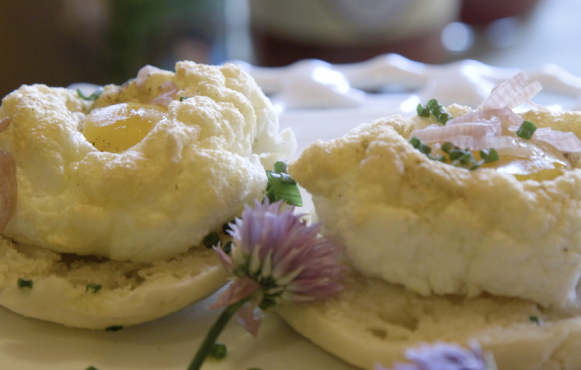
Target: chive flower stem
[212, 335]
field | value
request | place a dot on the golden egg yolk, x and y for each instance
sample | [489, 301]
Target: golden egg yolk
[119, 127]
[534, 161]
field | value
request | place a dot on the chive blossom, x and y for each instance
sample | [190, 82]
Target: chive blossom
[218, 351]
[211, 240]
[93, 96]
[24, 283]
[526, 130]
[94, 288]
[114, 328]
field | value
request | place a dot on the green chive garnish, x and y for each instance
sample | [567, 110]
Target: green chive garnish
[447, 147]
[211, 240]
[526, 130]
[114, 328]
[182, 98]
[218, 351]
[282, 187]
[425, 149]
[226, 227]
[423, 110]
[91, 368]
[94, 288]
[24, 283]
[227, 248]
[439, 111]
[534, 320]
[93, 96]
[489, 155]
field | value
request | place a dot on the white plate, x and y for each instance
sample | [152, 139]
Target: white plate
[170, 343]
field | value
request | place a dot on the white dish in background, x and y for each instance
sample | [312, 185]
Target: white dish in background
[170, 343]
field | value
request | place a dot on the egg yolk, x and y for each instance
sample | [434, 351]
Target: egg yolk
[118, 127]
[534, 161]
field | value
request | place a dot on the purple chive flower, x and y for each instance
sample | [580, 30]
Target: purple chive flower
[276, 258]
[445, 356]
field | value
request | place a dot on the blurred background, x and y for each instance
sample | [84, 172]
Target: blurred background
[59, 42]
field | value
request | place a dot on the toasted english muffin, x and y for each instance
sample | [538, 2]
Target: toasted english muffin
[97, 293]
[373, 322]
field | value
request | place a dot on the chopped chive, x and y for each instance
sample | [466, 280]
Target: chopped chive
[423, 110]
[447, 147]
[420, 145]
[93, 96]
[218, 351]
[534, 320]
[91, 368]
[282, 187]
[476, 165]
[526, 130]
[227, 248]
[24, 283]
[226, 227]
[94, 288]
[439, 158]
[211, 240]
[254, 368]
[114, 328]
[439, 111]
[182, 98]
[489, 155]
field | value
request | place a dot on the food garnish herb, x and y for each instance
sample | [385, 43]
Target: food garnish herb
[94, 96]
[218, 351]
[24, 283]
[526, 130]
[437, 109]
[535, 320]
[425, 148]
[114, 328]
[282, 187]
[91, 368]
[93, 288]
[182, 98]
[276, 258]
[447, 356]
[211, 240]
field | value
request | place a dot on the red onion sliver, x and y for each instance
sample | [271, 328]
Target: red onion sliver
[144, 73]
[566, 142]
[444, 133]
[8, 188]
[4, 123]
[169, 90]
[502, 95]
[525, 94]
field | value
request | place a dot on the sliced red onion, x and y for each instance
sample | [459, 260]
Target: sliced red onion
[142, 76]
[169, 90]
[444, 133]
[503, 94]
[8, 187]
[566, 142]
[144, 73]
[525, 94]
[4, 123]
